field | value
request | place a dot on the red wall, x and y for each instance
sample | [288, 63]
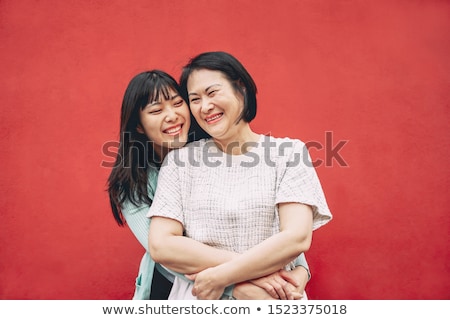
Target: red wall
[373, 73]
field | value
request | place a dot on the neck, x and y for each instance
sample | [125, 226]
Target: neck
[238, 143]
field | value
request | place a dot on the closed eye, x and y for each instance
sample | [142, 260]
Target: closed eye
[179, 103]
[194, 100]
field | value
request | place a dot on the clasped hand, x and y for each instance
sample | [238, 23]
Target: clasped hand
[278, 285]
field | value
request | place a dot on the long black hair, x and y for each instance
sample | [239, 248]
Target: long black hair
[128, 178]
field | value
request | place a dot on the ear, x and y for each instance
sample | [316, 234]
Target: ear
[139, 129]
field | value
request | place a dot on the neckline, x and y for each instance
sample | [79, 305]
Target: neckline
[254, 145]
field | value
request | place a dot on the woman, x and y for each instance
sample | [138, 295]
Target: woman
[154, 120]
[239, 191]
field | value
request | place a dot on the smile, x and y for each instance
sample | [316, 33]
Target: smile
[214, 118]
[174, 130]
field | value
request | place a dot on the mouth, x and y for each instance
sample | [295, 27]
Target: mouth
[174, 130]
[214, 118]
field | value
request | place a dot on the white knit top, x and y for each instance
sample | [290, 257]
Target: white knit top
[230, 202]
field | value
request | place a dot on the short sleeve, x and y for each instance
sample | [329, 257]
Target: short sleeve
[135, 214]
[299, 182]
[167, 200]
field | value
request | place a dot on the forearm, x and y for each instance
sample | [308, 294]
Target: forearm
[275, 252]
[267, 257]
[185, 255]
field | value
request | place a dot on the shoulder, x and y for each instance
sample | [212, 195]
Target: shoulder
[284, 141]
[190, 150]
[283, 146]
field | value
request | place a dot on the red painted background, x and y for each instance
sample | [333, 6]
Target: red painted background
[373, 73]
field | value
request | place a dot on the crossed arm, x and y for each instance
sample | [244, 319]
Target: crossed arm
[279, 285]
[214, 269]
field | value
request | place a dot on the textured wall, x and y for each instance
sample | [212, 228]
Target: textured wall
[371, 79]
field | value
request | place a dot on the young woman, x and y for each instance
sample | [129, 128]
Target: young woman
[253, 197]
[154, 120]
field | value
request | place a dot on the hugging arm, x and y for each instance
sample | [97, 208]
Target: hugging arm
[169, 247]
[268, 256]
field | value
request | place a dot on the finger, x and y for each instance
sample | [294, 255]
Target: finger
[289, 287]
[286, 275]
[271, 291]
[294, 296]
[279, 288]
[291, 291]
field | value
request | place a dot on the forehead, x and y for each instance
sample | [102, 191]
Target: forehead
[163, 93]
[203, 78]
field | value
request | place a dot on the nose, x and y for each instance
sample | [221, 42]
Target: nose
[171, 115]
[206, 106]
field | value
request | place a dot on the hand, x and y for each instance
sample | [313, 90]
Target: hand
[299, 276]
[249, 291]
[283, 285]
[206, 285]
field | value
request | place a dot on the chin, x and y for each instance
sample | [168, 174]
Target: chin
[178, 144]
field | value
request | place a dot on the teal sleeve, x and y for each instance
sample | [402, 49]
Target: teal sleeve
[137, 221]
[136, 215]
[301, 262]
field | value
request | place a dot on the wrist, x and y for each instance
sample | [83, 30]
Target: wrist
[222, 275]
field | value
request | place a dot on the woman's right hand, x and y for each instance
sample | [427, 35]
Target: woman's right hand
[248, 291]
[280, 285]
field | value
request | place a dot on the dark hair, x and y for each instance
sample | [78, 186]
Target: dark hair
[234, 72]
[128, 178]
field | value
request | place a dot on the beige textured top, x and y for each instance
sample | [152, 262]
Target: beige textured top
[230, 202]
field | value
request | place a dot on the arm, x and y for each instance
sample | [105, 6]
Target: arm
[269, 256]
[170, 248]
[136, 215]
[137, 221]
[301, 262]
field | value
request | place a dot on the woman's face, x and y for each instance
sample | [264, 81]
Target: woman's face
[166, 123]
[215, 104]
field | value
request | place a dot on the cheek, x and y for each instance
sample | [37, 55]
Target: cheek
[187, 122]
[151, 128]
[197, 117]
[195, 110]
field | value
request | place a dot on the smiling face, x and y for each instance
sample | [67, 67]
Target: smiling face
[165, 122]
[216, 105]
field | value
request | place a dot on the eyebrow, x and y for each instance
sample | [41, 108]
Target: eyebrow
[206, 89]
[156, 102]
